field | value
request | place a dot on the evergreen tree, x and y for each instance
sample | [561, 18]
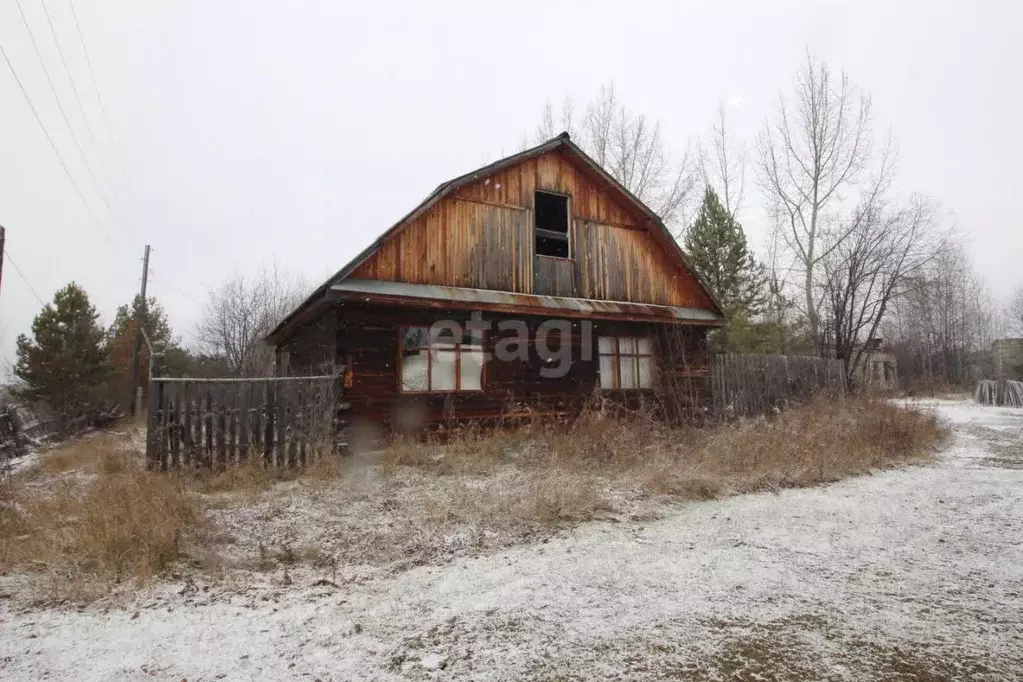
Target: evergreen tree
[716, 247]
[154, 321]
[176, 361]
[122, 339]
[66, 364]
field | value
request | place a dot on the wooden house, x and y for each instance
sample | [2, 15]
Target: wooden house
[525, 285]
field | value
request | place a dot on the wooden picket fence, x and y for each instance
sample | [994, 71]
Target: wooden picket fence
[747, 385]
[216, 423]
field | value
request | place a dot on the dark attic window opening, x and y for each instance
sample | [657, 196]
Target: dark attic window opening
[550, 213]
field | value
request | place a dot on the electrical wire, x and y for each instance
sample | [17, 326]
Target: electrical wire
[53, 146]
[153, 276]
[78, 100]
[24, 279]
[118, 163]
[60, 105]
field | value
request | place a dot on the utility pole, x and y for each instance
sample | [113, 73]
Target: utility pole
[3, 240]
[140, 315]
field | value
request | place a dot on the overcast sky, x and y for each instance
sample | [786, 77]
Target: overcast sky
[251, 130]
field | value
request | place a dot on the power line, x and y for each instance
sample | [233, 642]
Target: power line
[53, 146]
[60, 105]
[74, 90]
[152, 275]
[24, 279]
[118, 163]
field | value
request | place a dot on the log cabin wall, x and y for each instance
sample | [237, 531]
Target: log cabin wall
[481, 237]
[312, 349]
[371, 340]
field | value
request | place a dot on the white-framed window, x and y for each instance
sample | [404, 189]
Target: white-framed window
[435, 360]
[626, 362]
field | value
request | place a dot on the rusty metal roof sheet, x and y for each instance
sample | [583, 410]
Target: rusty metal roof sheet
[432, 295]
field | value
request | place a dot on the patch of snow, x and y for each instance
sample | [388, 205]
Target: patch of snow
[26, 461]
[433, 661]
[923, 561]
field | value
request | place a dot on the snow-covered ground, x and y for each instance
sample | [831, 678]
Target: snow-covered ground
[899, 575]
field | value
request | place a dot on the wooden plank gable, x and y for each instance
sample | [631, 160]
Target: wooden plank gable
[481, 236]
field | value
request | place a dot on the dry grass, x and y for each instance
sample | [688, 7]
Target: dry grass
[86, 537]
[818, 443]
[92, 517]
[102, 453]
[578, 471]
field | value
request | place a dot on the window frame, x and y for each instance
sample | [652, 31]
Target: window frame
[550, 234]
[400, 365]
[617, 356]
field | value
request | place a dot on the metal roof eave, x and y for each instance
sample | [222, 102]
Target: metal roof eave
[438, 296]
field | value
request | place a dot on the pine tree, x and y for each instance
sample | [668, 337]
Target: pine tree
[154, 321]
[716, 247]
[66, 364]
[122, 347]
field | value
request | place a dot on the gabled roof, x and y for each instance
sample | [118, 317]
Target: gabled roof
[563, 142]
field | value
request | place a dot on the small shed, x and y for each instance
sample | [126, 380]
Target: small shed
[523, 286]
[877, 367]
[1007, 355]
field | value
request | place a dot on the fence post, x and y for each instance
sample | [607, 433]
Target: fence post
[151, 450]
[268, 438]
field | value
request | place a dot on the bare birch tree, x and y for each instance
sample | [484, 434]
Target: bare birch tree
[552, 123]
[631, 149]
[723, 163]
[240, 312]
[816, 148]
[942, 321]
[884, 248]
[1014, 310]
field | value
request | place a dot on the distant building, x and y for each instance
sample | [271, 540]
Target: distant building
[1007, 357]
[877, 368]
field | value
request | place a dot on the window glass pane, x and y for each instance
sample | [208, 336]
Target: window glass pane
[444, 334]
[472, 337]
[646, 372]
[472, 369]
[443, 371]
[415, 337]
[607, 371]
[606, 345]
[626, 344]
[646, 345]
[414, 371]
[628, 369]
